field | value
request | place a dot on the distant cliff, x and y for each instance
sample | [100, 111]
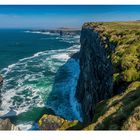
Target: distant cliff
[60, 31]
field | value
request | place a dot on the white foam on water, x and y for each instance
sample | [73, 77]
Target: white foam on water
[62, 56]
[77, 36]
[11, 66]
[70, 39]
[24, 126]
[6, 104]
[42, 32]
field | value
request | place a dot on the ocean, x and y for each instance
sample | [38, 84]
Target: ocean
[40, 76]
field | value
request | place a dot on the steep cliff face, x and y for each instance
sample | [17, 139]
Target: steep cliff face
[119, 41]
[95, 80]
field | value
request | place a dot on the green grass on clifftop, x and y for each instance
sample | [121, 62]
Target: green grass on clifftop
[123, 48]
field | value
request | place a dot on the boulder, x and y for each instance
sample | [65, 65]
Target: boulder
[7, 125]
[1, 80]
[51, 122]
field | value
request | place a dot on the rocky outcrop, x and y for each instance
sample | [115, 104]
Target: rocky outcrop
[95, 80]
[132, 123]
[51, 122]
[1, 80]
[7, 125]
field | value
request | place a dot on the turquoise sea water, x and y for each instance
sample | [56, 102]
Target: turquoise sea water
[38, 73]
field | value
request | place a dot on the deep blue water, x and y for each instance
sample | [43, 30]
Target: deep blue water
[17, 44]
[38, 73]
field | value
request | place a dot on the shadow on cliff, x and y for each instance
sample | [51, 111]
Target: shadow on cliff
[64, 81]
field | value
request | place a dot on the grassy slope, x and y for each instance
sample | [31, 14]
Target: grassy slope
[123, 110]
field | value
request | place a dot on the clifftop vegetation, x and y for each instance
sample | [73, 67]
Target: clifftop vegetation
[122, 43]
[123, 46]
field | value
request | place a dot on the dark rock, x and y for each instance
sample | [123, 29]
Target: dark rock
[95, 80]
[61, 33]
[1, 80]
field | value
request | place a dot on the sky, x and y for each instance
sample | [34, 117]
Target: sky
[63, 16]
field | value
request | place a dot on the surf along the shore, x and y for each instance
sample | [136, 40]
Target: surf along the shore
[45, 79]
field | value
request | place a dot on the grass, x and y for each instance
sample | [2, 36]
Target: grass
[118, 112]
[123, 47]
[51, 122]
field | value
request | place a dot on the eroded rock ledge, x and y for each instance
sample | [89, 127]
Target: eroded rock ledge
[52, 122]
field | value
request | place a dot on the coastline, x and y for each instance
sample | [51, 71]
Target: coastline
[59, 55]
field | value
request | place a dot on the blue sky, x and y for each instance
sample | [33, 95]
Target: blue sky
[63, 16]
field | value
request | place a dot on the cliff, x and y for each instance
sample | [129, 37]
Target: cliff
[121, 112]
[95, 80]
[108, 88]
[102, 43]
